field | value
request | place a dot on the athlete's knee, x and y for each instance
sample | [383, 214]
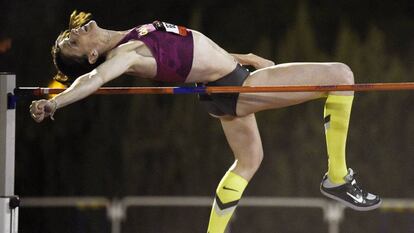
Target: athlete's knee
[343, 73]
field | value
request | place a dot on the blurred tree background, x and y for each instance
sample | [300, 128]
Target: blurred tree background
[116, 146]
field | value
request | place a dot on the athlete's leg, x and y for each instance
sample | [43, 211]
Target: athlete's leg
[336, 114]
[337, 108]
[243, 137]
[292, 74]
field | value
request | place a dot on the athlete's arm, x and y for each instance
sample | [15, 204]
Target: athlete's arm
[253, 60]
[85, 85]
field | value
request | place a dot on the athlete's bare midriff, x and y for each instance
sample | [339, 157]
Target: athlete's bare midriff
[210, 62]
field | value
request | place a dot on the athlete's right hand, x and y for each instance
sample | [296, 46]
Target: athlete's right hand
[41, 109]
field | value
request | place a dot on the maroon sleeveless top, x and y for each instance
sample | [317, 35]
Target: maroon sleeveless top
[171, 47]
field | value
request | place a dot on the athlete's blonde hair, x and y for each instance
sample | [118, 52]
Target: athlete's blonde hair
[68, 68]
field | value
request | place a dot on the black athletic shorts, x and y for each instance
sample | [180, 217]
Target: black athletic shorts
[221, 104]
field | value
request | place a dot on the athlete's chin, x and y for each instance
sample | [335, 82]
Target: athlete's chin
[93, 24]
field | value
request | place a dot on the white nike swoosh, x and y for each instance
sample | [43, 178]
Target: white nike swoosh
[359, 200]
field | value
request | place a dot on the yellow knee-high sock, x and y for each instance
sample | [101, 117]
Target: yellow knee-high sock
[228, 194]
[336, 114]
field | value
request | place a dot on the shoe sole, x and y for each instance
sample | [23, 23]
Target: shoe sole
[358, 208]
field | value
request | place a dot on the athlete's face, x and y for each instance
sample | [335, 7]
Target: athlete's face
[81, 41]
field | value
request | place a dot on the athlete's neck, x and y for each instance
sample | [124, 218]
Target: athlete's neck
[111, 39]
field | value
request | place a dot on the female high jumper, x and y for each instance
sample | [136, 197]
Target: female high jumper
[87, 56]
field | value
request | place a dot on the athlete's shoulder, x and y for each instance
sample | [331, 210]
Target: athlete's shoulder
[127, 47]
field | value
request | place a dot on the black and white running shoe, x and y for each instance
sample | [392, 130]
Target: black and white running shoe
[350, 194]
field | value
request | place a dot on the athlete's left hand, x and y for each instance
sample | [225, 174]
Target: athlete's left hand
[260, 62]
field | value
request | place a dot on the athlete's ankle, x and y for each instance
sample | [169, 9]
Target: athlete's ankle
[337, 176]
[333, 182]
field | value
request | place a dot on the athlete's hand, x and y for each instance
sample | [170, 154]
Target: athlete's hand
[41, 109]
[260, 62]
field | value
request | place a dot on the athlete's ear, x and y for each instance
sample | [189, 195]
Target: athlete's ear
[93, 56]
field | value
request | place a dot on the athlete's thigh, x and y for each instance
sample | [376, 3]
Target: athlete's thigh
[285, 74]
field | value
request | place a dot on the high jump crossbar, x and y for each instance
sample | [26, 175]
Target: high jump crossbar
[38, 91]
